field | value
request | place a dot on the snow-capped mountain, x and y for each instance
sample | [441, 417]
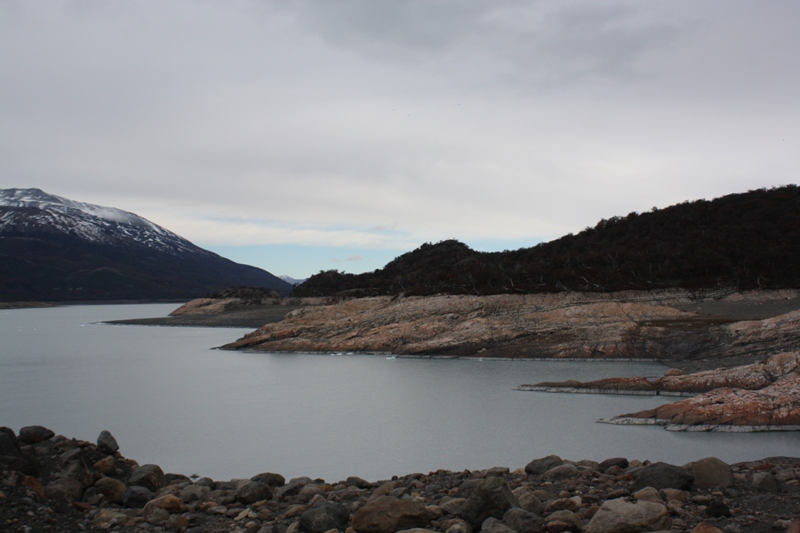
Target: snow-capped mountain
[53, 248]
[93, 223]
[292, 281]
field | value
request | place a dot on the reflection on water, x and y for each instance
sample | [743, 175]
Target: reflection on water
[171, 400]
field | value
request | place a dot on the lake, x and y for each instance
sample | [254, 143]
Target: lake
[172, 400]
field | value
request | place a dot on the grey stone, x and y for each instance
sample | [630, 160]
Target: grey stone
[574, 521]
[710, 473]
[293, 488]
[112, 489]
[65, 489]
[35, 434]
[523, 521]
[663, 476]
[148, 476]
[137, 497]
[324, 518]
[271, 479]
[491, 497]
[194, 493]
[562, 472]
[253, 491]
[106, 442]
[493, 525]
[354, 481]
[386, 514]
[764, 481]
[614, 461]
[540, 466]
[528, 500]
[619, 516]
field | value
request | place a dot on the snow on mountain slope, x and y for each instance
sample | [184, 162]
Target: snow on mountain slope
[33, 210]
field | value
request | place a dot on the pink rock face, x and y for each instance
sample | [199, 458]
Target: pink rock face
[775, 405]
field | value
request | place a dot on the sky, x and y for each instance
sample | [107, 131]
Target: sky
[301, 136]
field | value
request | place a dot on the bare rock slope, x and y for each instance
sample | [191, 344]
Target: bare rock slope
[659, 325]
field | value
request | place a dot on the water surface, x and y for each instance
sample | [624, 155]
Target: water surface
[171, 400]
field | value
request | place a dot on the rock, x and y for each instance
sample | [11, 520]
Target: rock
[711, 473]
[137, 497]
[168, 502]
[704, 527]
[387, 514]
[106, 518]
[491, 497]
[112, 489]
[528, 500]
[354, 481]
[648, 494]
[573, 521]
[292, 488]
[324, 518]
[523, 521]
[662, 476]
[107, 465]
[308, 492]
[493, 525]
[455, 525]
[106, 442]
[717, 509]
[65, 489]
[149, 476]
[253, 491]
[764, 481]
[540, 466]
[561, 504]
[619, 516]
[194, 492]
[621, 462]
[35, 434]
[10, 454]
[672, 495]
[562, 472]
[273, 480]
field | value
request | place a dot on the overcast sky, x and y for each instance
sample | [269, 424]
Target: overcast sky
[306, 135]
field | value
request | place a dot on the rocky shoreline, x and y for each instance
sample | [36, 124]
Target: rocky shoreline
[52, 483]
[762, 396]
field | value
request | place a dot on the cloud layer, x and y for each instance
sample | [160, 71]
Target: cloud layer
[368, 124]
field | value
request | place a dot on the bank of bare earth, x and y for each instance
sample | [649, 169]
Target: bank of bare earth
[57, 484]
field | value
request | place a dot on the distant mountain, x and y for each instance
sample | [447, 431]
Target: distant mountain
[52, 248]
[742, 241]
[291, 281]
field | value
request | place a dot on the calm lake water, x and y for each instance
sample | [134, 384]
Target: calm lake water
[170, 399]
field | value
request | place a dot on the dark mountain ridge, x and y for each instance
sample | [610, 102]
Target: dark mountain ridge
[744, 241]
[55, 249]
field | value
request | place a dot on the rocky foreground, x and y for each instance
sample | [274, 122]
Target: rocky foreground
[759, 397]
[52, 483]
[658, 325]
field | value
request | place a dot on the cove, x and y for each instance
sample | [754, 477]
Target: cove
[170, 399]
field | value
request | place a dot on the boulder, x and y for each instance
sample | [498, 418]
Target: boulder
[273, 480]
[491, 497]
[493, 525]
[35, 434]
[137, 497]
[65, 489]
[194, 492]
[710, 473]
[764, 481]
[523, 521]
[324, 518]
[528, 500]
[562, 472]
[663, 476]
[112, 489]
[540, 466]
[253, 491]
[614, 461]
[355, 481]
[107, 465]
[573, 521]
[106, 442]
[149, 476]
[619, 516]
[387, 514]
[168, 502]
[292, 488]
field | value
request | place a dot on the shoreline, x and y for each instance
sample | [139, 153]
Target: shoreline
[52, 483]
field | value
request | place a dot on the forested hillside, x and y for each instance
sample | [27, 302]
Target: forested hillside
[745, 241]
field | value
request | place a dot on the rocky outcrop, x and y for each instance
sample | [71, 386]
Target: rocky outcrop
[612, 496]
[762, 396]
[639, 325]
